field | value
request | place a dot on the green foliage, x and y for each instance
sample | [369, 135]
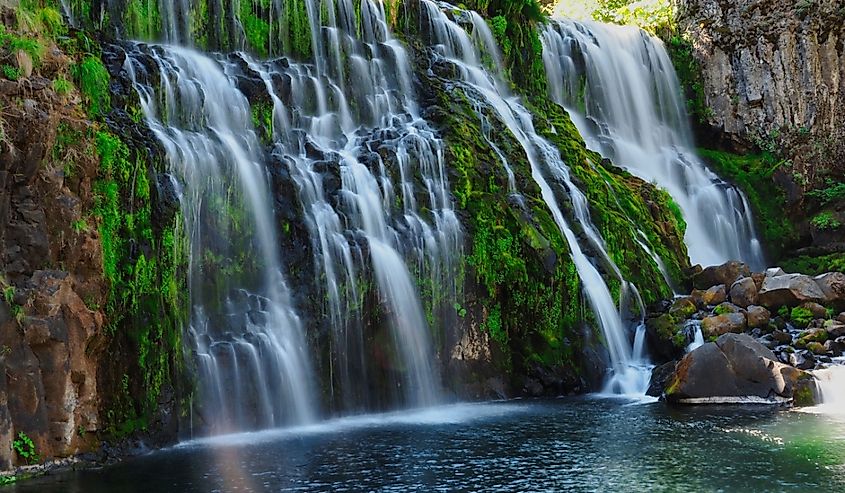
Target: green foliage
[753, 174]
[834, 262]
[142, 19]
[9, 294]
[493, 325]
[783, 312]
[801, 317]
[297, 39]
[835, 191]
[145, 271]
[722, 310]
[51, 21]
[25, 448]
[62, 86]
[92, 78]
[11, 73]
[654, 16]
[31, 46]
[825, 221]
[256, 29]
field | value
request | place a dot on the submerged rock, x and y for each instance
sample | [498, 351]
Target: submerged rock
[734, 369]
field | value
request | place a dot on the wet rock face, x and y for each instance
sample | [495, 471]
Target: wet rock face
[768, 64]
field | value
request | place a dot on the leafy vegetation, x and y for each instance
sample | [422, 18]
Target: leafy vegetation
[25, 448]
[825, 221]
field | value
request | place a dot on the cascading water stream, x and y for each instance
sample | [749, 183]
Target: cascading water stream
[370, 177]
[250, 348]
[388, 160]
[453, 43]
[830, 383]
[620, 88]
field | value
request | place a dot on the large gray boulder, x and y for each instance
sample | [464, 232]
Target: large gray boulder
[736, 369]
[789, 290]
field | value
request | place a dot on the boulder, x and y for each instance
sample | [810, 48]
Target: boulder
[832, 285]
[812, 335]
[789, 290]
[816, 348]
[841, 317]
[833, 347]
[758, 278]
[711, 296]
[727, 307]
[723, 324]
[683, 308]
[659, 376]
[725, 274]
[734, 369]
[834, 328]
[660, 332]
[802, 360]
[757, 316]
[744, 292]
[774, 272]
[816, 309]
[782, 336]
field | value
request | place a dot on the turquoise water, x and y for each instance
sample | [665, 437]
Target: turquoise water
[580, 444]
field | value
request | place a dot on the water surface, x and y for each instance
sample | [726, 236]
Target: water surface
[580, 444]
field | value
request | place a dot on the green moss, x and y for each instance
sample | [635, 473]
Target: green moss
[142, 20]
[688, 70]
[801, 317]
[722, 310]
[92, 79]
[811, 265]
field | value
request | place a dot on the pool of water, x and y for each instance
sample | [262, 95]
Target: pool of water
[579, 444]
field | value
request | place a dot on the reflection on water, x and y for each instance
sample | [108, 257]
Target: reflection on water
[563, 445]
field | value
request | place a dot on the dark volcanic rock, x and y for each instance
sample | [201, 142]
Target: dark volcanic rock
[735, 368]
[726, 274]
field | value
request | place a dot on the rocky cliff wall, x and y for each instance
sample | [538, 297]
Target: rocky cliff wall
[768, 65]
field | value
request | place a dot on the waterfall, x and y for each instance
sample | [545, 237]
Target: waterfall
[830, 383]
[620, 88]
[249, 343]
[456, 46]
[369, 176]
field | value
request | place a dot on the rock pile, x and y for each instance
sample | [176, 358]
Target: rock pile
[794, 321]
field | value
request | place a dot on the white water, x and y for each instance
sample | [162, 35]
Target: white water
[370, 177]
[250, 347]
[620, 88]
[831, 385]
[378, 206]
[453, 43]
